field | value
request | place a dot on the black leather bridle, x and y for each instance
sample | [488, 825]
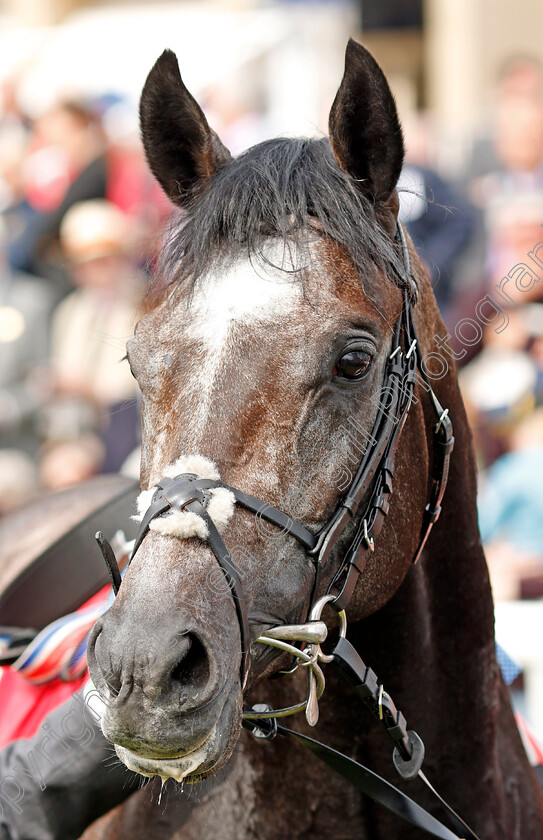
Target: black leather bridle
[371, 484]
[371, 487]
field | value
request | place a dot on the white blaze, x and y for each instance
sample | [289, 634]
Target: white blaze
[250, 292]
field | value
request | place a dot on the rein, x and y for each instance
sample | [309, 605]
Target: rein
[372, 482]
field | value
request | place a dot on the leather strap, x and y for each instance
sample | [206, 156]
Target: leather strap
[374, 786]
[275, 516]
[443, 447]
[377, 469]
[187, 492]
[365, 780]
[378, 789]
[159, 506]
[365, 685]
[110, 560]
[231, 574]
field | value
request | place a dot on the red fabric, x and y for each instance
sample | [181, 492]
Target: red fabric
[532, 745]
[24, 706]
[131, 188]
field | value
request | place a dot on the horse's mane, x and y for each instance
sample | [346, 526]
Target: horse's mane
[271, 190]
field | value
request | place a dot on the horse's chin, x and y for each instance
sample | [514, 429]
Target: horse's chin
[189, 767]
[206, 759]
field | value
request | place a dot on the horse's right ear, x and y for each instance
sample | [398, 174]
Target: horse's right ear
[181, 148]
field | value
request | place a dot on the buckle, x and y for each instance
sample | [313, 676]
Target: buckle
[432, 514]
[367, 539]
[266, 727]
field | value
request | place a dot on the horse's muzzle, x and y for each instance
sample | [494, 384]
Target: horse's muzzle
[162, 704]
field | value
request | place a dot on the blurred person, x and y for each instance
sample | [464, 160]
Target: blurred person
[532, 315]
[523, 337]
[513, 275]
[521, 75]
[514, 230]
[18, 479]
[13, 150]
[518, 152]
[438, 215]
[511, 510]
[15, 128]
[11, 112]
[506, 379]
[64, 463]
[94, 389]
[130, 185]
[26, 304]
[499, 390]
[78, 782]
[520, 78]
[509, 190]
[66, 164]
[441, 222]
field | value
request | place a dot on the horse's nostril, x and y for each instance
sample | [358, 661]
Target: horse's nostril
[192, 670]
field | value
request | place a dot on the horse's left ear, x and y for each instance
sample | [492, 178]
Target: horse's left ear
[181, 148]
[365, 132]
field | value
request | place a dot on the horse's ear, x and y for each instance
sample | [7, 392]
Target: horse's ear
[365, 132]
[181, 148]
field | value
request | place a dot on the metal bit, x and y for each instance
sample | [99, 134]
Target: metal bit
[314, 632]
[312, 708]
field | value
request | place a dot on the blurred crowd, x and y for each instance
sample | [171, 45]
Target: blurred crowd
[79, 219]
[481, 239]
[503, 383]
[79, 222]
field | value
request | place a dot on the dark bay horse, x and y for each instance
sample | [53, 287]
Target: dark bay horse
[286, 280]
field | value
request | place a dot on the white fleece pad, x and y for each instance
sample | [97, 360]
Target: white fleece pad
[186, 523]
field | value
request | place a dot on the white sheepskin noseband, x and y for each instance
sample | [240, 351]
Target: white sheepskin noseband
[186, 523]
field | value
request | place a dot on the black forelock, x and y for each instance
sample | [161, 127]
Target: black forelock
[273, 189]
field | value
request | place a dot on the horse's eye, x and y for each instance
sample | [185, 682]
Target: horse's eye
[353, 365]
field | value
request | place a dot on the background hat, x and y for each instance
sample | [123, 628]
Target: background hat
[93, 229]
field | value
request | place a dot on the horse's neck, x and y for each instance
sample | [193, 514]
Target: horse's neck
[433, 646]
[444, 607]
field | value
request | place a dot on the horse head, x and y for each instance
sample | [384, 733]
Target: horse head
[262, 371]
